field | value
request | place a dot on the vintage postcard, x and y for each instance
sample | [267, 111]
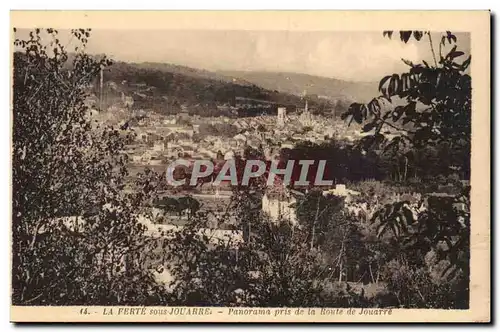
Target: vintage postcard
[258, 166]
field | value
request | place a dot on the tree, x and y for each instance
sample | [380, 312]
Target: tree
[436, 112]
[316, 214]
[73, 226]
[436, 102]
[273, 266]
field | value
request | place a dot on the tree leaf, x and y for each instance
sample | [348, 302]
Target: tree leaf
[393, 85]
[374, 106]
[382, 82]
[451, 52]
[395, 229]
[397, 113]
[405, 36]
[381, 229]
[418, 35]
[407, 62]
[455, 54]
[466, 63]
[358, 116]
[387, 33]
[410, 108]
[369, 126]
[451, 37]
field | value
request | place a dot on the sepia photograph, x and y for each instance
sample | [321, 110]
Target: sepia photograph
[257, 173]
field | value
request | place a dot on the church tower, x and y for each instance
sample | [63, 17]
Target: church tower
[281, 116]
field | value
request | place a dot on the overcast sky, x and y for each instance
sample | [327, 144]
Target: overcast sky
[354, 56]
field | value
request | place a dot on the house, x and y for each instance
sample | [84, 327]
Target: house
[281, 119]
[287, 145]
[342, 191]
[159, 146]
[136, 158]
[128, 101]
[229, 155]
[155, 161]
[170, 121]
[146, 156]
[240, 137]
[174, 152]
[230, 238]
[280, 204]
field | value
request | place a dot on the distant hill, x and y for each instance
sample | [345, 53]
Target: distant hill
[295, 83]
[168, 88]
[189, 71]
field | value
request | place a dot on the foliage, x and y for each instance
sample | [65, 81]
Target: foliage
[280, 265]
[431, 120]
[415, 288]
[179, 205]
[72, 223]
[349, 162]
[273, 266]
[316, 212]
[78, 237]
[435, 103]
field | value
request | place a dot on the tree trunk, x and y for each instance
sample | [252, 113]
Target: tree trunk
[312, 237]
[406, 168]
[371, 273]
[249, 232]
[314, 224]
